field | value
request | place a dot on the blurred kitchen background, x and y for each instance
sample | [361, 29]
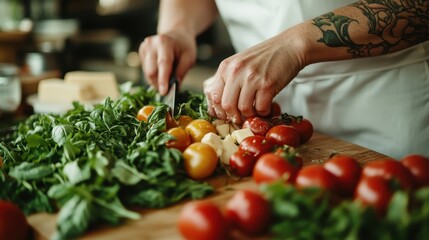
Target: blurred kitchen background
[47, 38]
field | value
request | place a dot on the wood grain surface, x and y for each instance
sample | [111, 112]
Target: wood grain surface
[161, 223]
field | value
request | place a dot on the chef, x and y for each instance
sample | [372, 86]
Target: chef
[359, 70]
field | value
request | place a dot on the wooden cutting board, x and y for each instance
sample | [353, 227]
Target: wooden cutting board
[161, 223]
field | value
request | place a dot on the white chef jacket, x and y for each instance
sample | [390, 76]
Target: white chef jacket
[381, 103]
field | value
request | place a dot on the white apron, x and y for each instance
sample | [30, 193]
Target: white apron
[381, 103]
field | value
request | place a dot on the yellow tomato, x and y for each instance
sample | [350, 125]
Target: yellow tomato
[182, 140]
[184, 120]
[198, 128]
[144, 112]
[200, 160]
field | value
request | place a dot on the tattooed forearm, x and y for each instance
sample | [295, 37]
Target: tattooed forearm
[391, 23]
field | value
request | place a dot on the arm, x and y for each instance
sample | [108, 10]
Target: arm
[246, 83]
[368, 28]
[180, 21]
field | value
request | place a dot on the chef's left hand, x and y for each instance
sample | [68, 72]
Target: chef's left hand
[246, 83]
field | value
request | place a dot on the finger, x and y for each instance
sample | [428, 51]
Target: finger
[165, 63]
[247, 100]
[150, 69]
[207, 85]
[263, 100]
[230, 98]
[216, 93]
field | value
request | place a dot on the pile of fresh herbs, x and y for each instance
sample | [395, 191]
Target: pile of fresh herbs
[312, 214]
[90, 163]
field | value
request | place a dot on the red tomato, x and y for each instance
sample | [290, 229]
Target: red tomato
[182, 140]
[304, 127]
[347, 170]
[258, 125]
[375, 192]
[202, 220]
[284, 135]
[389, 169]
[292, 155]
[271, 167]
[257, 145]
[242, 163]
[13, 224]
[418, 165]
[249, 212]
[317, 176]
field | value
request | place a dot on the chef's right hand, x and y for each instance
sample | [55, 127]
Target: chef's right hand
[159, 52]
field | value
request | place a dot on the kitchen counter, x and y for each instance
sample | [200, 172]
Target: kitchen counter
[161, 223]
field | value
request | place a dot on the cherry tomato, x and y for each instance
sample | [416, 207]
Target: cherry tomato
[317, 176]
[257, 145]
[389, 169]
[242, 163]
[271, 167]
[184, 120]
[182, 140]
[375, 192]
[198, 128]
[169, 121]
[304, 127]
[258, 125]
[202, 219]
[418, 165]
[200, 160]
[13, 224]
[284, 135]
[144, 112]
[291, 154]
[249, 212]
[347, 170]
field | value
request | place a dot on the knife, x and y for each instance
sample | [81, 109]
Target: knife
[170, 97]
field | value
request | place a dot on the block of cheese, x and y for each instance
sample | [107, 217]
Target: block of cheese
[214, 141]
[55, 90]
[229, 148]
[240, 134]
[103, 83]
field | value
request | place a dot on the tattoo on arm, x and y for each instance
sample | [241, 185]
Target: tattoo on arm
[390, 23]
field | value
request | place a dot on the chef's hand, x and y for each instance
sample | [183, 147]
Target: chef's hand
[246, 83]
[159, 52]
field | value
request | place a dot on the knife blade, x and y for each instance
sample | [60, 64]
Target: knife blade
[170, 97]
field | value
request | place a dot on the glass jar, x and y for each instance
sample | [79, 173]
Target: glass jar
[10, 88]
